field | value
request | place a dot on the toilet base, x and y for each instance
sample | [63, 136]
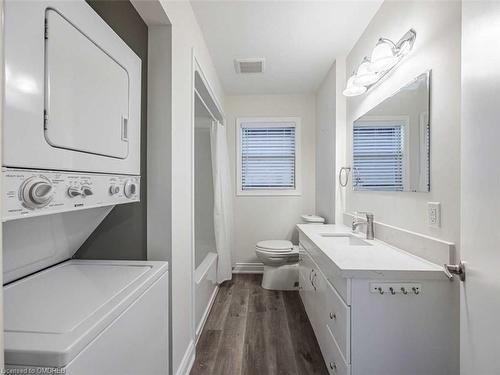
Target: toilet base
[284, 277]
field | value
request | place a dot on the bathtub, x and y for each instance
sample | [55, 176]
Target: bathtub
[205, 279]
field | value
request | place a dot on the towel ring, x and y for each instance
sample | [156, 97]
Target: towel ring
[347, 170]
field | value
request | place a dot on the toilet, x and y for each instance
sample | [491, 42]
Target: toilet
[281, 260]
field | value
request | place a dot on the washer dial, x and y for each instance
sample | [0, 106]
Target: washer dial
[36, 192]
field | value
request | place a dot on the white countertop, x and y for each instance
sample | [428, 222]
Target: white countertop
[379, 260]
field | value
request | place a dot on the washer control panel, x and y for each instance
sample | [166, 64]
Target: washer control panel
[29, 192]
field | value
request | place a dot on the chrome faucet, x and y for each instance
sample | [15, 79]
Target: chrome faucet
[369, 224]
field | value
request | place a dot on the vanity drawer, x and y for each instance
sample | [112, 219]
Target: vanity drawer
[333, 359]
[338, 319]
[341, 285]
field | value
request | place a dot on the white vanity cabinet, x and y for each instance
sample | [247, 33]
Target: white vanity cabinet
[330, 316]
[362, 330]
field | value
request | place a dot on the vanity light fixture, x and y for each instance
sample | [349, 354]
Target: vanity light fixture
[365, 76]
[384, 57]
[352, 89]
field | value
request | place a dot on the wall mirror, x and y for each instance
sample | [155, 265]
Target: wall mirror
[391, 142]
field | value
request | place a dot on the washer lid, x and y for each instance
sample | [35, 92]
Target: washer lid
[276, 245]
[52, 315]
[313, 219]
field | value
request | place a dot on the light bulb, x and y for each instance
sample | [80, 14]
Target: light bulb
[365, 76]
[352, 89]
[383, 57]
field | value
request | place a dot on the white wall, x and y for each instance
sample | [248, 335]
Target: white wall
[437, 47]
[186, 36]
[340, 130]
[330, 154]
[325, 146]
[258, 218]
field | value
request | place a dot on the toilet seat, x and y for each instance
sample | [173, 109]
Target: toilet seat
[275, 246]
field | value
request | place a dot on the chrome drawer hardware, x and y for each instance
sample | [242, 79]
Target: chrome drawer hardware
[333, 316]
[333, 366]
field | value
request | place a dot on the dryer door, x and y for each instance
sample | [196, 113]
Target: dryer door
[86, 93]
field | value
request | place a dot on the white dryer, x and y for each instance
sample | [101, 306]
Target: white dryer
[72, 91]
[71, 126]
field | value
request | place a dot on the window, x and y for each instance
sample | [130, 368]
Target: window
[379, 155]
[267, 153]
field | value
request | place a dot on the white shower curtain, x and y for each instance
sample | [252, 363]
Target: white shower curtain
[223, 195]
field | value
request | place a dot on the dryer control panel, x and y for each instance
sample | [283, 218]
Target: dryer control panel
[29, 192]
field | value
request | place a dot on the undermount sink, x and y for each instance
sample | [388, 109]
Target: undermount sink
[346, 239]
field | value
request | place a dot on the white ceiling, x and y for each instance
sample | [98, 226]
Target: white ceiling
[299, 40]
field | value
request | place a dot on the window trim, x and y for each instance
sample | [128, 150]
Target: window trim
[266, 122]
[370, 121]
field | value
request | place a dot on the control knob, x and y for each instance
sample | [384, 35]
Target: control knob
[36, 192]
[130, 188]
[74, 192]
[114, 189]
[86, 191]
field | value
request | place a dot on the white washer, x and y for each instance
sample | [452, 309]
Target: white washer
[89, 317]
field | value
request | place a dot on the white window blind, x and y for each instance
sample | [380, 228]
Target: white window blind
[378, 153]
[268, 156]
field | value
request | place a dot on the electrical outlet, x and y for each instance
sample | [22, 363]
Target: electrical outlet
[434, 214]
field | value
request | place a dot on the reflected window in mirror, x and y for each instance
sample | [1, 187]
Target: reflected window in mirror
[380, 156]
[391, 142]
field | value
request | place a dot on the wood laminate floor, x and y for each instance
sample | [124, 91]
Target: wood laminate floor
[253, 331]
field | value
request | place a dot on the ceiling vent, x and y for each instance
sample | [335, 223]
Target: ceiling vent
[255, 65]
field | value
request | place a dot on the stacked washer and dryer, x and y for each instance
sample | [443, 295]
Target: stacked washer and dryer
[71, 152]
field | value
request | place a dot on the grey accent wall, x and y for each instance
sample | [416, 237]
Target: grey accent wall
[122, 234]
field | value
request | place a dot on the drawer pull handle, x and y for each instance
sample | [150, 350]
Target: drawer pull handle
[333, 366]
[313, 279]
[333, 316]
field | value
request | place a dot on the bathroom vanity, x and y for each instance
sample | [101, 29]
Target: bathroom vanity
[376, 309]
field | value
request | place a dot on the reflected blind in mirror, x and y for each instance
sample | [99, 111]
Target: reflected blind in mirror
[378, 156]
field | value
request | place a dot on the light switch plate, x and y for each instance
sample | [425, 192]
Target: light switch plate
[434, 214]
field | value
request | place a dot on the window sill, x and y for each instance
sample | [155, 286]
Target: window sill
[273, 193]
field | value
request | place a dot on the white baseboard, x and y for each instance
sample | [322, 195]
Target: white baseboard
[204, 318]
[248, 268]
[187, 361]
